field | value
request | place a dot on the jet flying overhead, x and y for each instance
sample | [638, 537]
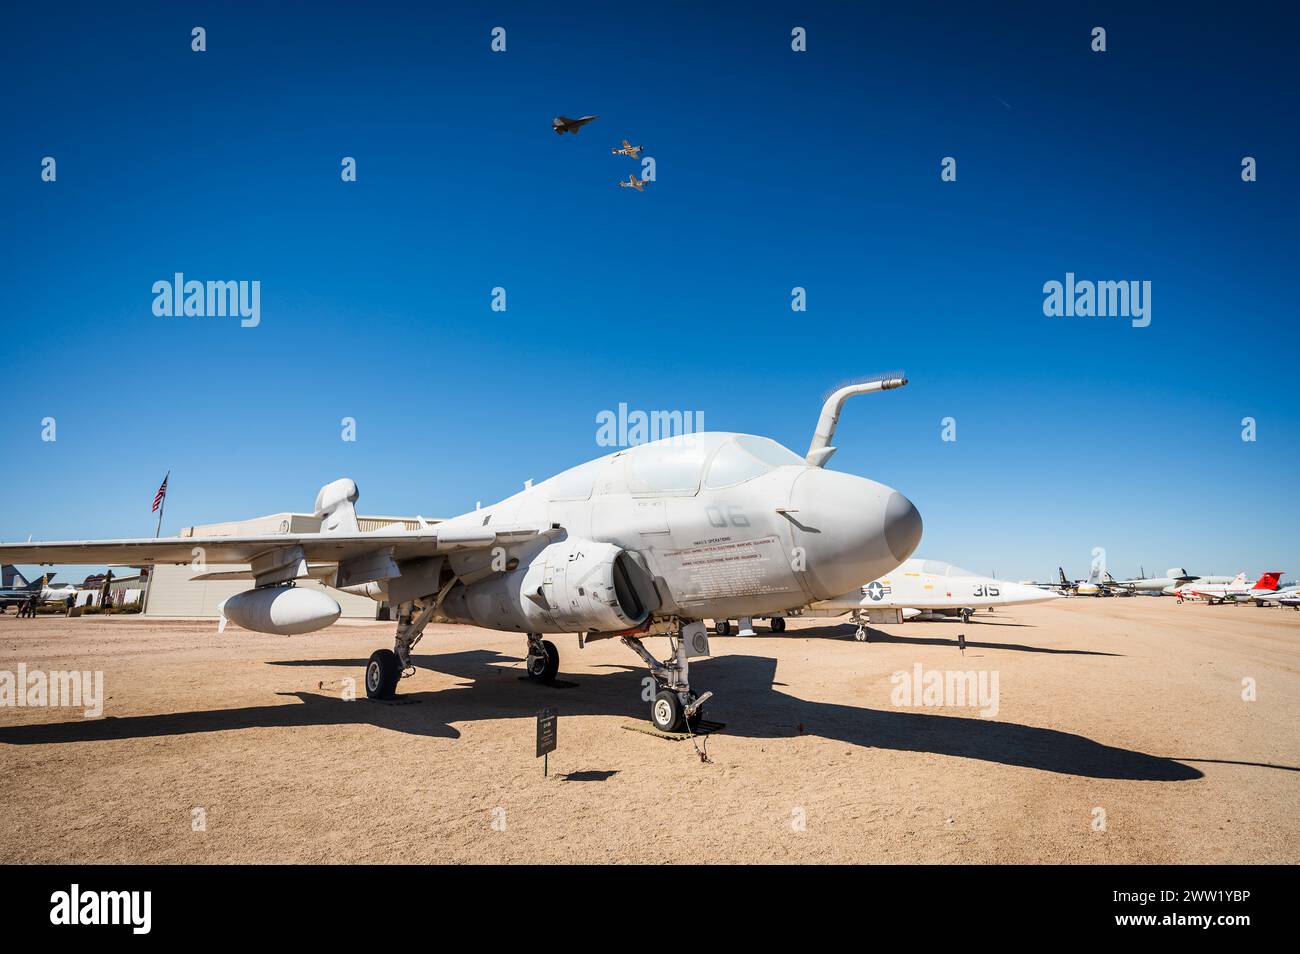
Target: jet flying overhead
[646, 541]
[563, 124]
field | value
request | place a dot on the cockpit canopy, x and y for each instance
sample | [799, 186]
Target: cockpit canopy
[675, 466]
[936, 568]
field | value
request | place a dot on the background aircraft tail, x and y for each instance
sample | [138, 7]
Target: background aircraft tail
[1176, 573]
[1269, 580]
[10, 577]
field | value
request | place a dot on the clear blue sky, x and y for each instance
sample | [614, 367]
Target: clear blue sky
[775, 169]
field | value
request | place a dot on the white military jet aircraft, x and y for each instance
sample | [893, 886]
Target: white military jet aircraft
[926, 589]
[645, 541]
[58, 594]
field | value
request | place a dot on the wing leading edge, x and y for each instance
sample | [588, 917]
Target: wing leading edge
[317, 547]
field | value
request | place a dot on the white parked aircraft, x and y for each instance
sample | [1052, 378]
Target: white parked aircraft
[1094, 585]
[1173, 577]
[1238, 590]
[1283, 593]
[52, 594]
[642, 542]
[1172, 590]
[926, 589]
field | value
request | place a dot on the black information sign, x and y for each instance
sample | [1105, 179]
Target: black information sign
[546, 720]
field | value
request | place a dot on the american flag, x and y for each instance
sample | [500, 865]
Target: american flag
[162, 492]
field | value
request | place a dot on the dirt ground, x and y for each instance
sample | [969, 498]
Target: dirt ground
[1121, 735]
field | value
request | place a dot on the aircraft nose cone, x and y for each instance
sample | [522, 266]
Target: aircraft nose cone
[1022, 593]
[902, 526]
[850, 529]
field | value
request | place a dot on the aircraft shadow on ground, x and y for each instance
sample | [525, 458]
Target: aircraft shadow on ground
[746, 700]
[846, 631]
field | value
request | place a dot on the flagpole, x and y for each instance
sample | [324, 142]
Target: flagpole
[162, 505]
[148, 587]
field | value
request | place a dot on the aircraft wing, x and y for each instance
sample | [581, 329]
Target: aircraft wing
[316, 547]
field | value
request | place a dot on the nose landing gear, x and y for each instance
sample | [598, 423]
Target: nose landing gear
[861, 634]
[675, 705]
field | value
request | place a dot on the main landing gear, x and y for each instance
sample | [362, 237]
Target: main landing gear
[543, 659]
[861, 634]
[675, 705]
[387, 666]
[382, 673]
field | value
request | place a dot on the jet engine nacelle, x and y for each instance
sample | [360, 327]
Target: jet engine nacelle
[281, 610]
[569, 586]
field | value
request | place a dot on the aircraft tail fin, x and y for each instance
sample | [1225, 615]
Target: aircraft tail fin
[1269, 580]
[10, 577]
[335, 506]
[1176, 573]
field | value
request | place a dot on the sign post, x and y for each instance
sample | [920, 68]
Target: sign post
[546, 720]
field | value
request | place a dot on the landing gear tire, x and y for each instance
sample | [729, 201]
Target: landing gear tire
[965, 615]
[778, 624]
[862, 634]
[382, 673]
[722, 627]
[544, 668]
[666, 712]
